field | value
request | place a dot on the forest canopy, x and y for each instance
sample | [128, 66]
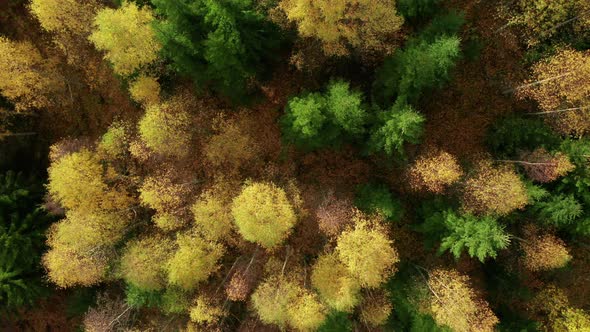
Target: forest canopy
[295, 165]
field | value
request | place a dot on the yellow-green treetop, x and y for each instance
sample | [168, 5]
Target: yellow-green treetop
[306, 312]
[143, 262]
[126, 36]
[213, 216]
[263, 214]
[115, 142]
[543, 18]
[168, 222]
[334, 284]
[161, 194]
[561, 87]
[85, 231]
[145, 90]
[434, 172]
[494, 190]
[342, 25]
[557, 313]
[65, 16]
[455, 304]
[281, 301]
[26, 78]
[193, 262]
[78, 181]
[205, 311]
[367, 252]
[67, 267]
[272, 298]
[165, 129]
[375, 308]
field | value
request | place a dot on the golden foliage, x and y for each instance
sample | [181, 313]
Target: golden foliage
[78, 181]
[193, 262]
[83, 232]
[367, 252]
[342, 25]
[306, 312]
[204, 311]
[212, 216]
[165, 128]
[168, 222]
[67, 267]
[26, 78]
[161, 194]
[65, 16]
[434, 172]
[272, 298]
[557, 314]
[145, 90]
[127, 37]
[280, 301]
[375, 308]
[143, 262]
[456, 305]
[543, 251]
[263, 214]
[334, 284]
[493, 190]
[563, 82]
[115, 142]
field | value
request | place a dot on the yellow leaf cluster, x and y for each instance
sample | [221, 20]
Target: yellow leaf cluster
[145, 90]
[334, 284]
[166, 130]
[434, 172]
[342, 25]
[212, 216]
[281, 301]
[78, 181]
[456, 305]
[563, 82]
[543, 251]
[367, 252]
[65, 16]
[375, 309]
[494, 190]
[204, 311]
[26, 78]
[263, 214]
[143, 262]
[193, 262]
[127, 37]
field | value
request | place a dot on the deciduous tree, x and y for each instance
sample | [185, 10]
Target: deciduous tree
[145, 90]
[194, 260]
[493, 190]
[434, 172]
[165, 128]
[560, 86]
[143, 262]
[367, 252]
[263, 214]
[126, 36]
[26, 78]
[543, 251]
[455, 304]
[336, 287]
[346, 25]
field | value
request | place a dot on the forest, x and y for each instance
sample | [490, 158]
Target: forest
[295, 165]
